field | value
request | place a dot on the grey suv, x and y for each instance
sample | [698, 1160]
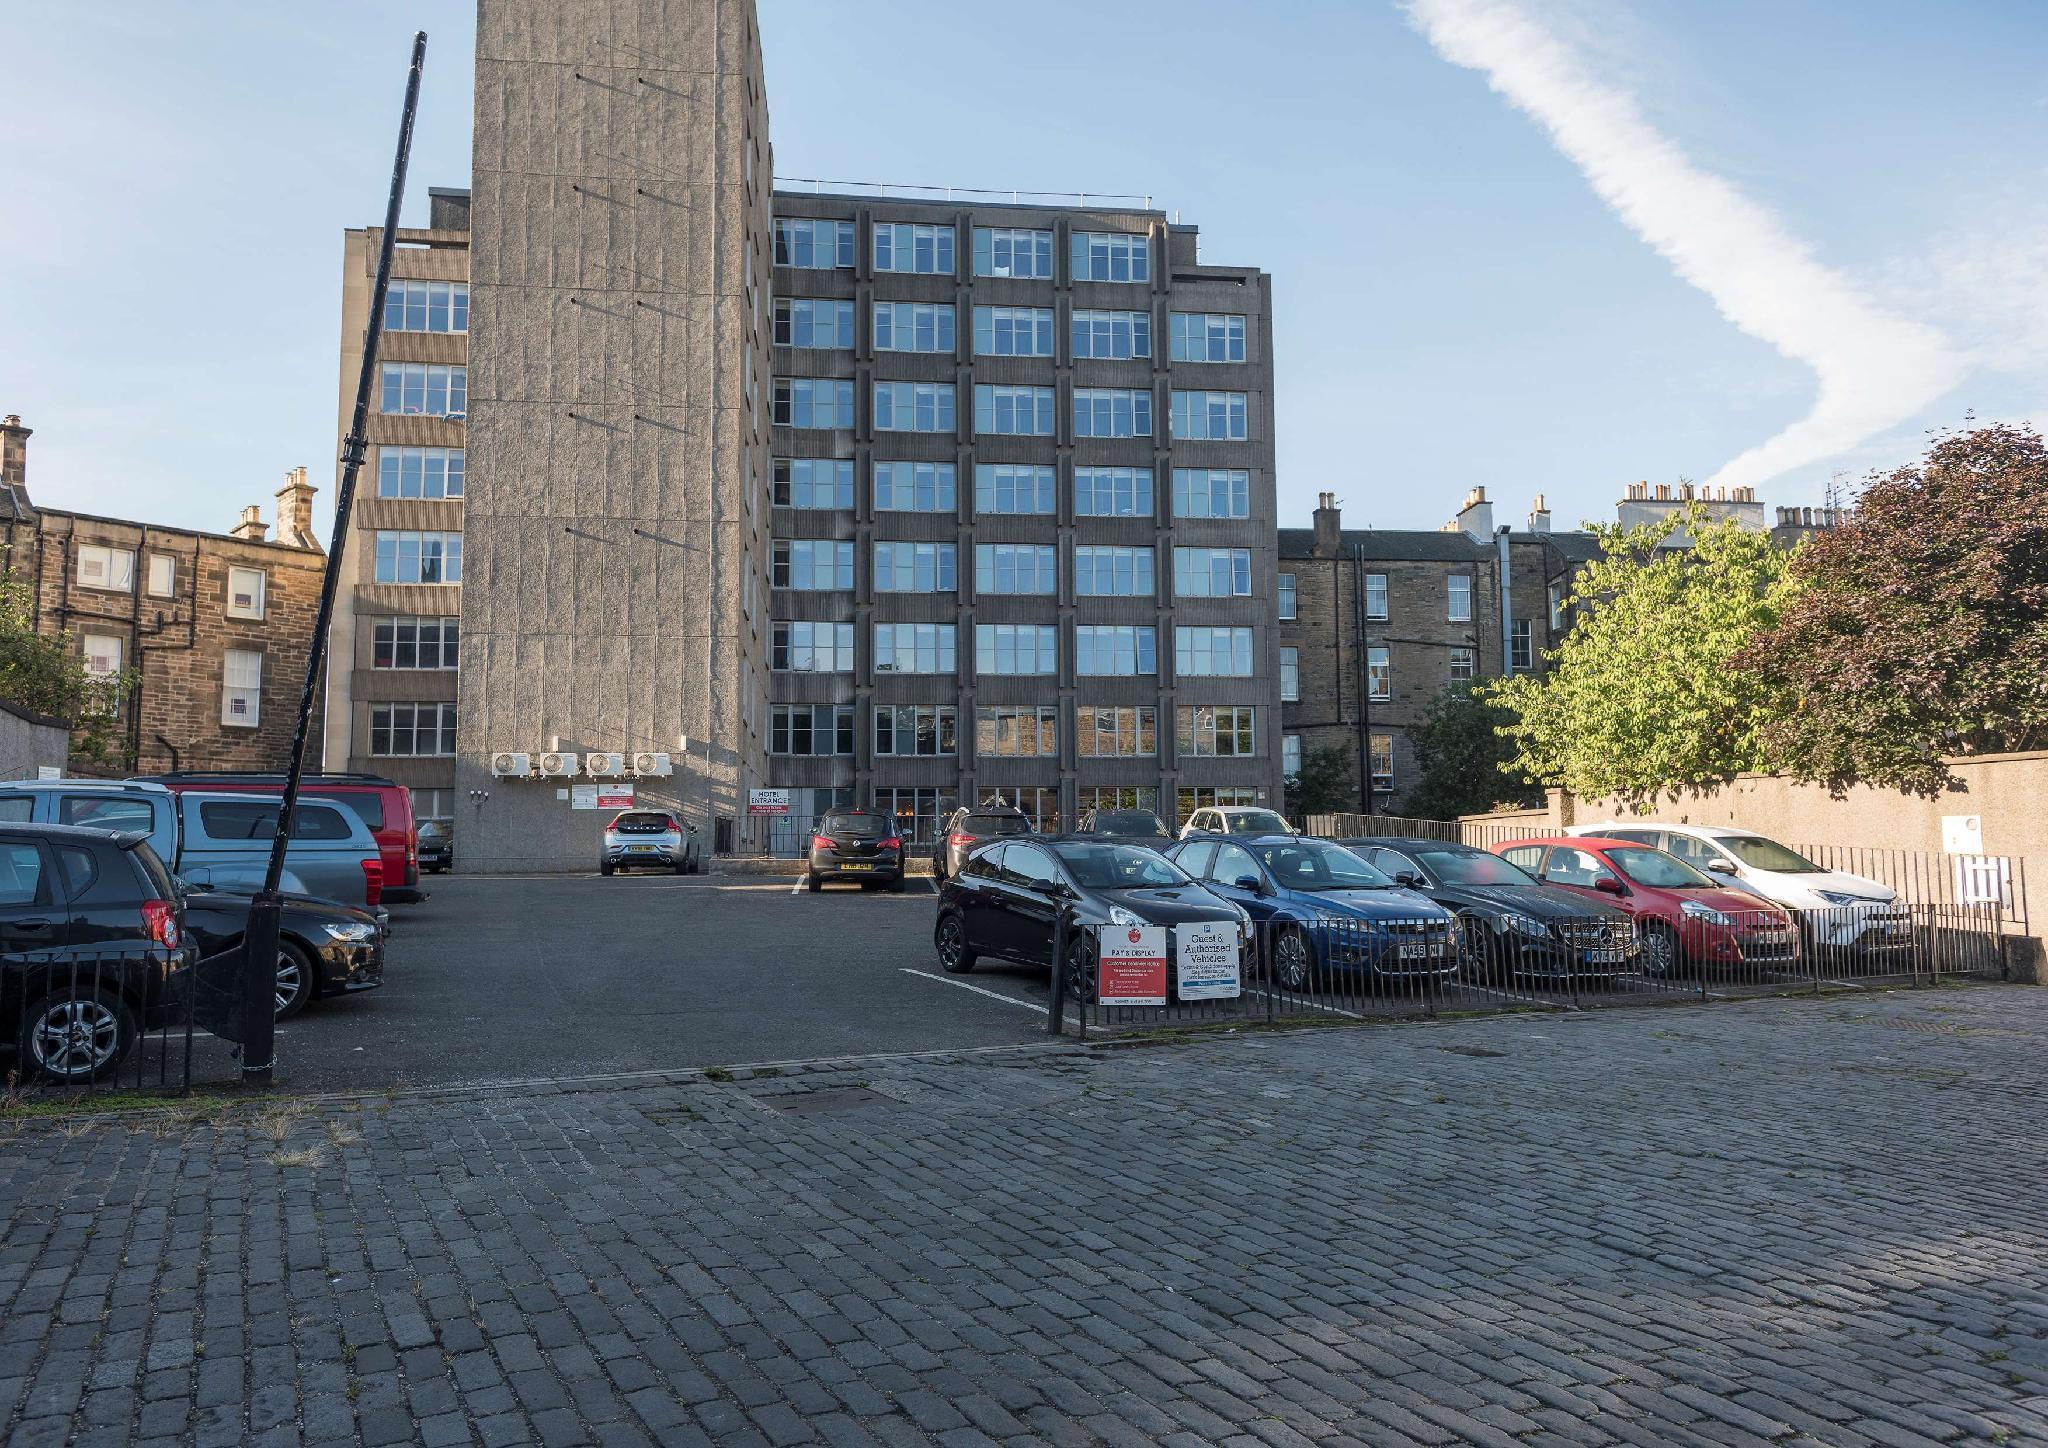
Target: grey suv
[968, 829]
[649, 838]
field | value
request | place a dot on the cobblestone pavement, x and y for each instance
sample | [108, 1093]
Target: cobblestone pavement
[1812, 1222]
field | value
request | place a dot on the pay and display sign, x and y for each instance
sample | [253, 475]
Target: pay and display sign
[1131, 967]
[1208, 954]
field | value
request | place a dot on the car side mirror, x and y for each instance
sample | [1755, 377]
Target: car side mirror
[1721, 867]
[1408, 879]
[1251, 883]
[1608, 885]
[1051, 889]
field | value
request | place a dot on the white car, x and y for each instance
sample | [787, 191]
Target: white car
[1840, 910]
[1237, 820]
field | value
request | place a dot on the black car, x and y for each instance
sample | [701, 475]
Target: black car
[92, 947]
[437, 850]
[323, 948]
[862, 845]
[966, 828]
[1513, 924]
[1006, 896]
[1137, 826]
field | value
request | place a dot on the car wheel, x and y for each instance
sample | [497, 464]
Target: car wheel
[1081, 967]
[682, 865]
[951, 939]
[1294, 959]
[294, 980]
[1661, 956]
[76, 1038]
[604, 867]
[813, 883]
[1478, 958]
[896, 885]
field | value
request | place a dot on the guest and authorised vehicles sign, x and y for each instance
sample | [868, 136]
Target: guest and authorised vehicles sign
[1207, 952]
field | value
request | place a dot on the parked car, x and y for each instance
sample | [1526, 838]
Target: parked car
[323, 949]
[1837, 911]
[1323, 910]
[224, 843]
[437, 849]
[1237, 820]
[383, 805]
[1509, 924]
[1006, 896]
[91, 947]
[1138, 826]
[1684, 917]
[862, 845]
[649, 838]
[966, 828]
[219, 850]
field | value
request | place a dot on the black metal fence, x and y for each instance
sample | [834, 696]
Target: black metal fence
[1334, 966]
[118, 1019]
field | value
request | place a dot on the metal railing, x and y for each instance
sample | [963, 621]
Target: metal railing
[1075, 200]
[118, 1019]
[1300, 967]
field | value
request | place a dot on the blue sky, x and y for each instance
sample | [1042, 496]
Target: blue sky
[1542, 245]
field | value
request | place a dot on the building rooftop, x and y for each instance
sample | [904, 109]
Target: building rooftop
[966, 195]
[1404, 545]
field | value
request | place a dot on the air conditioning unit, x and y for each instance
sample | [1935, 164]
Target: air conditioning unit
[509, 765]
[558, 764]
[652, 764]
[604, 766]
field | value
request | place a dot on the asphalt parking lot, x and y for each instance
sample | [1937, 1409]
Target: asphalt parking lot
[507, 978]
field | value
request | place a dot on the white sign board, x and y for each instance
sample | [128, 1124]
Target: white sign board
[1131, 970]
[767, 801]
[582, 796]
[49, 771]
[1962, 834]
[1207, 952]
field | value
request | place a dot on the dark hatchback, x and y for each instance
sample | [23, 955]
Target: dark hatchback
[323, 948]
[92, 949]
[1513, 924]
[1007, 896]
[968, 829]
[861, 845]
[437, 849]
[1136, 826]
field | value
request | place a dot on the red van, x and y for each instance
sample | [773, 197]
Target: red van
[383, 805]
[1683, 917]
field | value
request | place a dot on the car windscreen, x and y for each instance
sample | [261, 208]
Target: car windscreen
[1762, 854]
[1658, 870]
[1119, 867]
[1319, 865]
[1256, 822]
[986, 825]
[643, 822]
[108, 811]
[1140, 824]
[862, 826]
[1472, 867]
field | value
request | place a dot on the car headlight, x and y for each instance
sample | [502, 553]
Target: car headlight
[353, 931]
[1843, 897]
[1520, 924]
[1120, 916]
[1708, 913]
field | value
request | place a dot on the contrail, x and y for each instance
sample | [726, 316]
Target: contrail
[1875, 369]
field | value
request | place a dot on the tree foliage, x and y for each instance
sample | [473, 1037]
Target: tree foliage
[1920, 625]
[1466, 759]
[46, 673]
[1643, 696]
[1323, 785]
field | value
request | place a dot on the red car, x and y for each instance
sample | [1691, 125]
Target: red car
[384, 806]
[1683, 916]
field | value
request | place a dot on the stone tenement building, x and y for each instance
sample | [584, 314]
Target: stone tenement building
[214, 626]
[871, 498]
[1376, 623]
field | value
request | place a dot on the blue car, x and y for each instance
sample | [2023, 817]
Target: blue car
[1322, 911]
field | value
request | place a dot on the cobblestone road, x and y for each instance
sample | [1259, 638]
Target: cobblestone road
[1813, 1222]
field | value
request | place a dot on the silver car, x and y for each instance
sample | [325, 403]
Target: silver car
[655, 839]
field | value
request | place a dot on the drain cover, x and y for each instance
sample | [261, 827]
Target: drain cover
[1471, 1051]
[805, 1102]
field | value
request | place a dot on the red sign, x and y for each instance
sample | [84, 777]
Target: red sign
[1131, 966]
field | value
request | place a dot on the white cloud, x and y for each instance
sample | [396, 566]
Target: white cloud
[1874, 367]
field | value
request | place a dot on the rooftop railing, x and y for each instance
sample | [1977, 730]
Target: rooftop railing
[1078, 200]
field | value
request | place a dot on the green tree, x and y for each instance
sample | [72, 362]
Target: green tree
[1323, 785]
[46, 673]
[1643, 695]
[1467, 761]
[1920, 627]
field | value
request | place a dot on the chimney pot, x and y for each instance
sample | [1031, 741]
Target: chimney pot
[252, 528]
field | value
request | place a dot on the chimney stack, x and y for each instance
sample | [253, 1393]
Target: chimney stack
[1329, 519]
[1539, 515]
[1476, 516]
[14, 461]
[295, 510]
[252, 528]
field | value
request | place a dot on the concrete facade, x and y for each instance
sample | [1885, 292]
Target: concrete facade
[31, 742]
[172, 605]
[619, 257]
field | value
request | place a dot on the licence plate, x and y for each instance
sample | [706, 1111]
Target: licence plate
[1419, 951]
[639, 849]
[1771, 937]
[856, 867]
[1610, 955]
